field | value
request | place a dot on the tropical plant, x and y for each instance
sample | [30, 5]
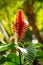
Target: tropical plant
[21, 32]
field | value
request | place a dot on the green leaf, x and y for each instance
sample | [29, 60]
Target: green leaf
[38, 45]
[31, 54]
[15, 59]
[8, 63]
[25, 44]
[6, 47]
[40, 56]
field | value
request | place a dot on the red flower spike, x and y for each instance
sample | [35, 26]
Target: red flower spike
[20, 25]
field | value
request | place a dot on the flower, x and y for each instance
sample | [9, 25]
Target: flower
[20, 25]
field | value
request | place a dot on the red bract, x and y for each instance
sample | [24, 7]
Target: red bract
[20, 25]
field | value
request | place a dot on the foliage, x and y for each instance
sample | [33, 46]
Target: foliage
[31, 54]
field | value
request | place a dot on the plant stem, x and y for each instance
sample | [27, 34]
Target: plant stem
[20, 56]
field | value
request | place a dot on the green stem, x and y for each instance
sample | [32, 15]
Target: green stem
[15, 59]
[20, 56]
